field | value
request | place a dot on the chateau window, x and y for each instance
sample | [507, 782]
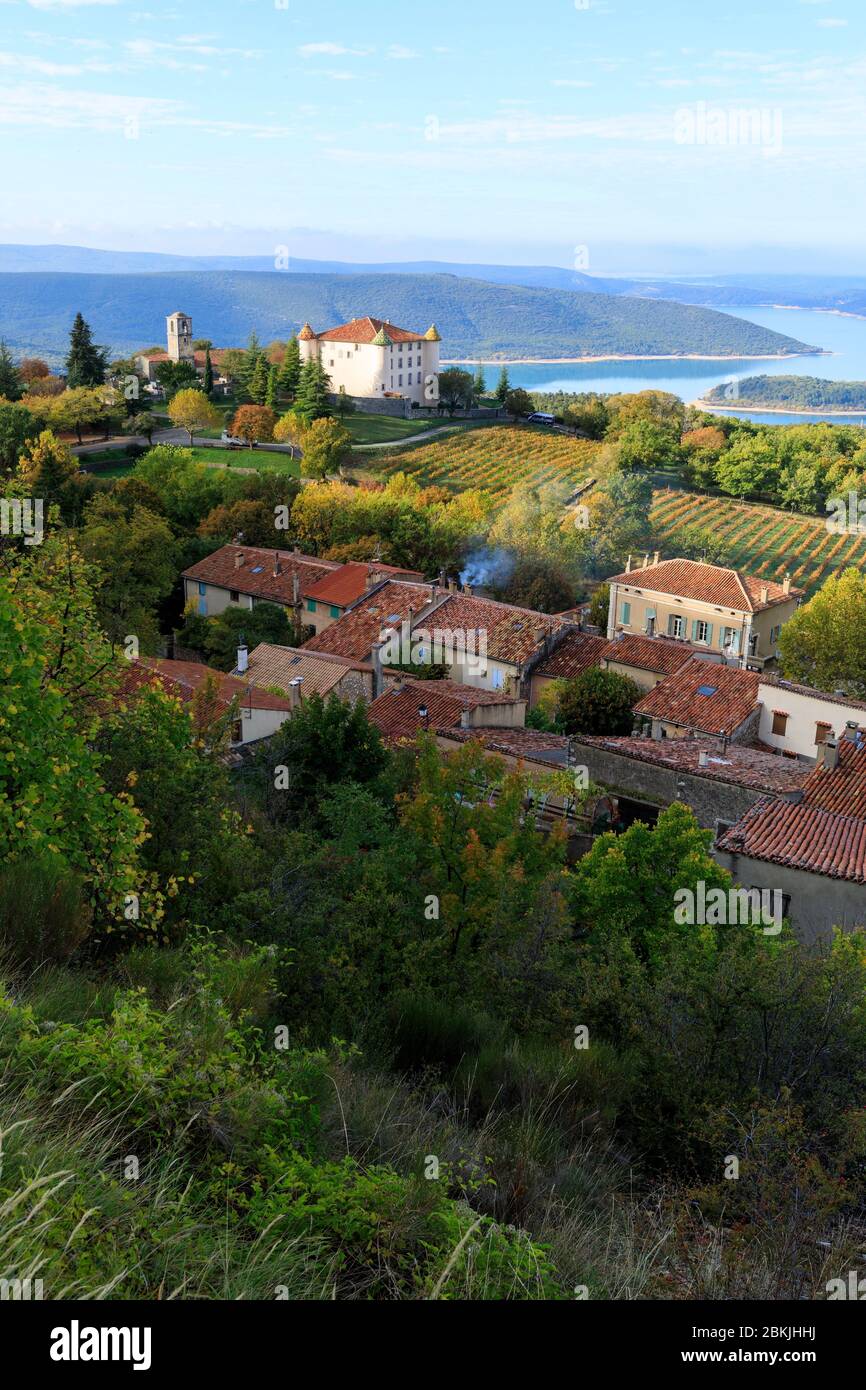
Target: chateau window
[780, 722]
[400, 380]
[202, 588]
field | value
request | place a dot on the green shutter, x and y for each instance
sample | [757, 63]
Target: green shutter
[709, 634]
[694, 629]
[626, 614]
[311, 605]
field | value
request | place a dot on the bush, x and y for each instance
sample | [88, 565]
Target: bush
[43, 916]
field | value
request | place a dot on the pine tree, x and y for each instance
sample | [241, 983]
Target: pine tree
[290, 373]
[312, 400]
[86, 363]
[479, 385]
[271, 392]
[257, 385]
[503, 386]
[10, 378]
[208, 372]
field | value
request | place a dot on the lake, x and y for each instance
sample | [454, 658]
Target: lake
[844, 336]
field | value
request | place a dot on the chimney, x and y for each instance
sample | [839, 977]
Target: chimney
[376, 662]
[628, 565]
[703, 758]
[786, 584]
[239, 559]
[467, 589]
[656, 732]
[466, 719]
[243, 657]
[765, 593]
[295, 691]
[443, 579]
[645, 560]
[539, 635]
[278, 568]
[296, 589]
[827, 755]
[656, 556]
[851, 731]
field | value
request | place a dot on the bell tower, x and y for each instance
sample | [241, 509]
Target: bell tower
[179, 335]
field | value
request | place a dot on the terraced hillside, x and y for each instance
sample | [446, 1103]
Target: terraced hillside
[766, 542]
[496, 459]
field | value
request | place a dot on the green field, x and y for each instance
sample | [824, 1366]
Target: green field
[262, 460]
[764, 541]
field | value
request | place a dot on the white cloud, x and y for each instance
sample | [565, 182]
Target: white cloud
[570, 82]
[398, 51]
[332, 50]
[832, 23]
[66, 4]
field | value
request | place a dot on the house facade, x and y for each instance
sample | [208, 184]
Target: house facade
[373, 359]
[716, 609]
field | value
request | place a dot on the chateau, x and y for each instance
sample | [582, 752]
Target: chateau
[178, 334]
[375, 359]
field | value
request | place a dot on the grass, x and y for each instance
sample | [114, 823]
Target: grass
[764, 541]
[382, 429]
[496, 458]
[261, 459]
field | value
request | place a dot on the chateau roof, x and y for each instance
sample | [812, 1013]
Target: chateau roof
[432, 335]
[365, 330]
[306, 334]
[716, 584]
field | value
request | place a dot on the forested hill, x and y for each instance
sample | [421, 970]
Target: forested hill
[795, 392]
[475, 318]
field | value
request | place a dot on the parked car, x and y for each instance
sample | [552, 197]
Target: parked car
[231, 441]
[540, 417]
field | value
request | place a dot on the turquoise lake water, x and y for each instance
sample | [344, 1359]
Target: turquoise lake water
[844, 337]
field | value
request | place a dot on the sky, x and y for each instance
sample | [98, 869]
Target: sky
[611, 135]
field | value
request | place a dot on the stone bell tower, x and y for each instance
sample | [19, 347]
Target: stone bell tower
[179, 335]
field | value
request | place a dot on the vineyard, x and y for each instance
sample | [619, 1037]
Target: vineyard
[496, 459]
[763, 541]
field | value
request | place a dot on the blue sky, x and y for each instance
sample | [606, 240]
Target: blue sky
[613, 134]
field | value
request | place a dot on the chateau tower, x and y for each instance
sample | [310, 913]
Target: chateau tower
[179, 335]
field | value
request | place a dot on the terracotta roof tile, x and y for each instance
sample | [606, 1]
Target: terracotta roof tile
[530, 744]
[662, 655]
[183, 678]
[395, 713]
[511, 631]
[801, 837]
[716, 584]
[841, 788]
[353, 635]
[703, 695]
[351, 581]
[273, 665]
[256, 575]
[364, 330]
[573, 654]
[738, 764]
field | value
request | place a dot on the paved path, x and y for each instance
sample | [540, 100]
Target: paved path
[408, 439]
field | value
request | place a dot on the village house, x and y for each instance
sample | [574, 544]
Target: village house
[573, 654]
[738, 617]
[372, 359]
[257, 713]
[646, 660]
[411, 706]
[307, 673]
[797, 719]
[704, 698]
[318, 591]
[810, 848]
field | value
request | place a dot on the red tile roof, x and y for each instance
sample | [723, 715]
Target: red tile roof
[512, 633]
[351, 581]
[732, 695]
[573, 654]
[530, 744]
[216, 356]
[662, 655]
[183, 678]
[801, 837]
[364, 330]
[256, 575]
[829, 696]
[693, 579]
[320, 672]
[740, 765]
[386, 608]
[841, 788]
[395, 713]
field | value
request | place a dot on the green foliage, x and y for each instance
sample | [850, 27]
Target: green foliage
[17, 428]
[86, 364]
[324, 744]
[824, 643]
[597, 702]
[218, 638]
[11, 383]
[312, 398]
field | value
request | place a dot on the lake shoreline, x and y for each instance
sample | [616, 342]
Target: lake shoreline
[712, 407]
[634, 357]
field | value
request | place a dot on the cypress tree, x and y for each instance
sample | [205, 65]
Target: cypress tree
[503, 386]
[208, 372]
[290, 373]
[85, 363]
[11, 385]
[271, 391]
[258, 383]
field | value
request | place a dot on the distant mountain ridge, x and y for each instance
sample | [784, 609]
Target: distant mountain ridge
[475, 317]
[847, 294]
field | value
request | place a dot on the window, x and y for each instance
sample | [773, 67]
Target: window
[202, 588]
[823, 732]
[234, 596]
[650, 622]
[707, 690]
[626, 614]
[497, 680]
[675, 625]
[730, 640]
[334, 611]
[400, 379]
[701, 631]
[780, 722]
[774, 634]
[311, 605]
[237, 731]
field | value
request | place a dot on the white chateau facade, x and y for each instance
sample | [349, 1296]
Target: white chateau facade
[375, 359]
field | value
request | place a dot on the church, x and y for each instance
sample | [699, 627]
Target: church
[373, 359]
